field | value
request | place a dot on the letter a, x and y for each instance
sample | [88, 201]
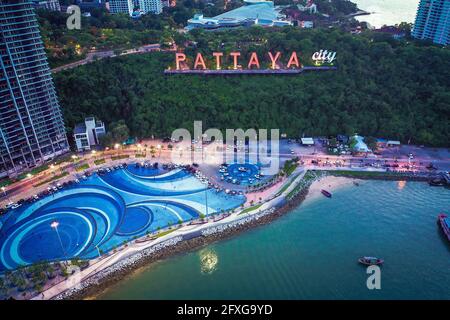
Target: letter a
[199, 61]
[74, 20]
[253, 61]
[374, 280]
[293, 60]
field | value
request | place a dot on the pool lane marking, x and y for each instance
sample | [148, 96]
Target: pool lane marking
[197, 206]
[108, 224]
[160, 205]
[160, 185]
[144, 196]
[164, 175]
[56, 196]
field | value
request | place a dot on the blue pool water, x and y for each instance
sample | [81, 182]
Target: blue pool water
[104, 211]
[244, 173]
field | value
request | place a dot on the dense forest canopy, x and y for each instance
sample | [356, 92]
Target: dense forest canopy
[383, 87]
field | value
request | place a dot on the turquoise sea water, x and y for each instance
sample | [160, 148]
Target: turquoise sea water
[311, 252]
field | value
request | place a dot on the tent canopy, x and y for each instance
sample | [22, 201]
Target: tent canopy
[308, 141]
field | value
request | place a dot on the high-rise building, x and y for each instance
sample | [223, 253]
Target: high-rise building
[151, 6]
[121, 6]
[52, 5]
[31, 124]
[433, 21]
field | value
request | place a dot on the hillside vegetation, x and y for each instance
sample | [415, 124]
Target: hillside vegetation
[382, 87]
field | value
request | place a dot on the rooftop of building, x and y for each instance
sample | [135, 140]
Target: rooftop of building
[262, 11]
[79, 128]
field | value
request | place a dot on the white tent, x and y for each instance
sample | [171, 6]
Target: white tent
[360, 146]
[308, 141]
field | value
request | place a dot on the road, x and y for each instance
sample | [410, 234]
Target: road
[98, 55]
[309, 157]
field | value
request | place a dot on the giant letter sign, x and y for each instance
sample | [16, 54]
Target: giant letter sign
[179, 57]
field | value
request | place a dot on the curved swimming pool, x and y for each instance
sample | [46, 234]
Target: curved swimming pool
[102, 212]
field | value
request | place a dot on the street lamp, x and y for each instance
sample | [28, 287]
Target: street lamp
[55, 225]
[159, 148]
[116, 147]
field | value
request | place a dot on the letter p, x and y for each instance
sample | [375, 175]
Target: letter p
[179, 57]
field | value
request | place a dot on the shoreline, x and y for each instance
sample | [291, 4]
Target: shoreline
[98, 283]
[94, 289]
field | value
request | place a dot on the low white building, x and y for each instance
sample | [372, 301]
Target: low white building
[87, 134]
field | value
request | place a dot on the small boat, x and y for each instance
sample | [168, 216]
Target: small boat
[437, 182]
[444, 221]
[371, 261]
[326, 193]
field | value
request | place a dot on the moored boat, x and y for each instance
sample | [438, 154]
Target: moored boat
[437, 182]
[326, 193]
[444, 221]
[370, 261]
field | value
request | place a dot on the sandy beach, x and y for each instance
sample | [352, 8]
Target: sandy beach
[331, 184]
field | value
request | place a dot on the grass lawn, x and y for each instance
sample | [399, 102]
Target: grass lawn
[140, 155]
[289, 167]
[5, 182]
[99, 161]
[124, 156]
[287, 185]
[161, 234]
[82, 167]
[250, 209]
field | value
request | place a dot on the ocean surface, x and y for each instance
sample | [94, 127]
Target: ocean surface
[312, 252]
[388, 12]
